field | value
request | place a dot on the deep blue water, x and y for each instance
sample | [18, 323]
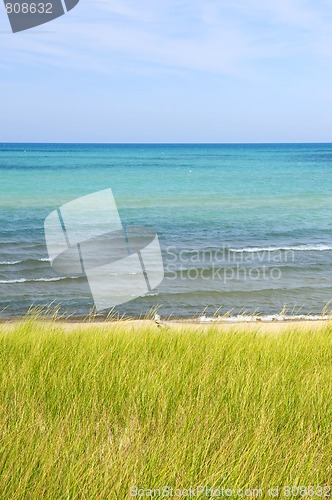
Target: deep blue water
[241, 226]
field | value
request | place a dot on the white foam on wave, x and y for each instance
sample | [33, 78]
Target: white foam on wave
[267, 319]
[10, 262]
[13, 262]
[295, 248]
[25, 280]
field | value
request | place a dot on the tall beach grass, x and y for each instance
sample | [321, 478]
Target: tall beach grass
[88, 413]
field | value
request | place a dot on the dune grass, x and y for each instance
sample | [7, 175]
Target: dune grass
[88, 414]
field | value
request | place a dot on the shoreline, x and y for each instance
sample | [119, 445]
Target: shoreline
[279, 318]
[172, 325]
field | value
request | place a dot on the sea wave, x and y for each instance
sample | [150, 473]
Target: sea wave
[14, 262]
[242, 318]
[295, 248]
[27, 280]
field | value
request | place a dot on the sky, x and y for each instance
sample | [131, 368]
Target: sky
[220, 71]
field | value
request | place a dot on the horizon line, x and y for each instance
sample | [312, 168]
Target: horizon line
[165, 143]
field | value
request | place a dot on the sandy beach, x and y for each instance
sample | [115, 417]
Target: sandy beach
[187, 326]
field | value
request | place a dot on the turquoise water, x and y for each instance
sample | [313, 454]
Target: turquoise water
[241, 226]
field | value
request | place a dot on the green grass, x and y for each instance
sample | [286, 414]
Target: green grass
[90, 413]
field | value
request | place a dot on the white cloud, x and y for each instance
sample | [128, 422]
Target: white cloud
[221, 37]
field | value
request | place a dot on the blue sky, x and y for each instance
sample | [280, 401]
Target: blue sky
[171, 71]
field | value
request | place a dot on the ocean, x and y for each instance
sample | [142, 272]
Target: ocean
[243, 228]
